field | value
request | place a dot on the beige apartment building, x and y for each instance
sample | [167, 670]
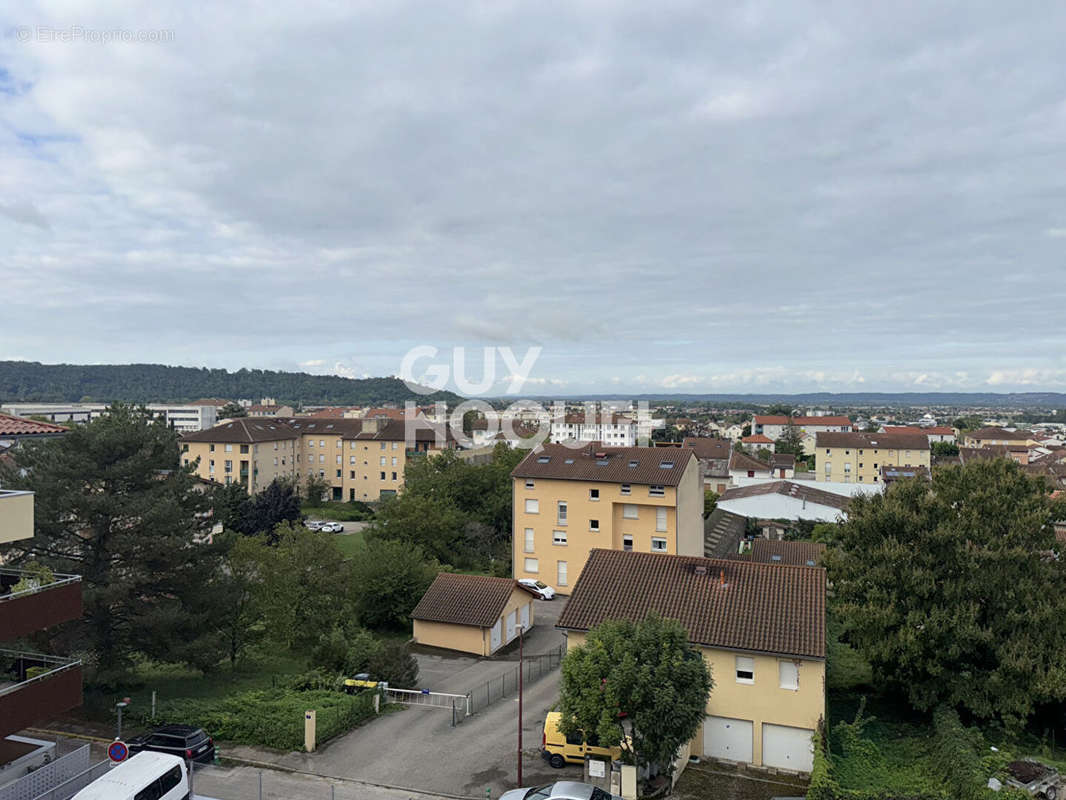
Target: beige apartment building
[568, 501]
[859, 457]
[359, 459]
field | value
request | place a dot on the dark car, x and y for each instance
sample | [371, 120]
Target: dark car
[190, 743]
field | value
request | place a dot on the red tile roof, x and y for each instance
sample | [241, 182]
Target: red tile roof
[781, 419]
[735, 605]
[757, 439]
[939, 430]
[20, 426]
[465, 599]
[912, 429]
[707, 447]
[796, 554]
[875, 441]
[744, 462]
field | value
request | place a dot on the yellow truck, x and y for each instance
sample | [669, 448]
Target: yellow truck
[559, 749]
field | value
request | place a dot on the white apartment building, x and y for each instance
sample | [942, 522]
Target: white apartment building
[774, 425]
[182, 418]
[613, 430]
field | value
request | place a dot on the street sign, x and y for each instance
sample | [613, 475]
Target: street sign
[117, 751]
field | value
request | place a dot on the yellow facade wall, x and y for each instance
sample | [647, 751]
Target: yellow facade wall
[761, 702]
[863, 465]
[256, 460]
[16, 516]
[683, 529]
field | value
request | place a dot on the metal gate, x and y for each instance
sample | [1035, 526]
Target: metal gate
[49, 775]
[424, 697]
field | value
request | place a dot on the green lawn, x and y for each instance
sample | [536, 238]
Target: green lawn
[350, 543]
[341, 512]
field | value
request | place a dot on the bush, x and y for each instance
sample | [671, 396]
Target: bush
[395, 664]
[270, 718]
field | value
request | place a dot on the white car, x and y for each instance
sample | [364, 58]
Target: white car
[539, 588]
[313, 524]
[560, 790]
[331, 527]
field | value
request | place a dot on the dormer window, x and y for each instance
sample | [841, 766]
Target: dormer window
[543, 459]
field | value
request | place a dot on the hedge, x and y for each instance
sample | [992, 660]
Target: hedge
[270, 717]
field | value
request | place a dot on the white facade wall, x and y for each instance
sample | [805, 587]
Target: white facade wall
[611, 434]
[184, 419]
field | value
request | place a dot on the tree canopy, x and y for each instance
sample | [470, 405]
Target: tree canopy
[951, 590]
[638, 683]
[790, 441]
[112, 505]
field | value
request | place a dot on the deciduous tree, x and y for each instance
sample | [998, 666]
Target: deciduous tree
[952, 592]
[638, 683]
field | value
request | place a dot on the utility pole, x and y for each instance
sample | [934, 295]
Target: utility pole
[521, 641]
[125, 701]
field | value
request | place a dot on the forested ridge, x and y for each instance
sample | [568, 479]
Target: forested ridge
[31, 381]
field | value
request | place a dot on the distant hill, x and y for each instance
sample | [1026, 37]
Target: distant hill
[30, 381]
[858, 399]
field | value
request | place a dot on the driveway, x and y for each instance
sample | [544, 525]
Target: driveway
[417, 748]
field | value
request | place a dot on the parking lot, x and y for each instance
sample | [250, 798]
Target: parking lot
[417, 748]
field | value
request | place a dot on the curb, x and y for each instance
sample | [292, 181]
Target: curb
[68, 735]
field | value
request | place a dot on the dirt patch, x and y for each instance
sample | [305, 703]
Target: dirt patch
[1027, 771]
[734, 782]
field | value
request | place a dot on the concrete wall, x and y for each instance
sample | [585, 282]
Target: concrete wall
[690, 511]
[16, 516]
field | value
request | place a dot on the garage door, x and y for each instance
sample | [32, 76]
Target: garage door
[787, 748]
[727, 738]
[494, 637]
[512, 625]
[525, 616]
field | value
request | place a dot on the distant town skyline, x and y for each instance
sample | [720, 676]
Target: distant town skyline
[699, 198]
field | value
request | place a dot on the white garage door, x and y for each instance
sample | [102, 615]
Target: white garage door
[494, 637]
[512, 625]
[787, 748]
[727, 738]
[525, 616]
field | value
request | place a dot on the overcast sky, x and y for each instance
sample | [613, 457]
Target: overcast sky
[687, 196]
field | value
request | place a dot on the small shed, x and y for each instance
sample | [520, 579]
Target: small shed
[472, 613]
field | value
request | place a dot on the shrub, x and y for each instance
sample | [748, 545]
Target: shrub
[395, 664]
[271, 718]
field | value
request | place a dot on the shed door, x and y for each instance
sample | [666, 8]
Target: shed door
[494, 637]
[727, 738]
[512, 625]
[525, 616]
[787, 748]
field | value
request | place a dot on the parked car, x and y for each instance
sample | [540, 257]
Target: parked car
[313, 524]
[192, 744]
[331, 527]
[558, 748]
[155, 775]
[560, 790]
[539, 588]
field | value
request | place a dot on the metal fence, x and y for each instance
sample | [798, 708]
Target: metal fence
[210, 782]
[48, 775]
[71, 787]
[506, 685]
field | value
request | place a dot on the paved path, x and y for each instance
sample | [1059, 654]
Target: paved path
[418, 748]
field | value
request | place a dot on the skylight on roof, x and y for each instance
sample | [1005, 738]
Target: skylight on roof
[810, 562]
[666, 465]
[633, 464]
[569, 461]
[775, 557]
[543, 459]
[602, 462]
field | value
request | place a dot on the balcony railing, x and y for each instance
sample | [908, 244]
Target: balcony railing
[38, 603]
[16, 516]
[34, 686]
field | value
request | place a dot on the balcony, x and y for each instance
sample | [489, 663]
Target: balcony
[16, 516]
[36, 687]
[38, 604]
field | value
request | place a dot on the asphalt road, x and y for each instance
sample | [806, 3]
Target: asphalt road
[418, 749]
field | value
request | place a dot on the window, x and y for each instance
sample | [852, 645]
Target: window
[395, 445]
[310, 442]
[244, 448]
[529, 540]
[351, 474]
[594, 494]
[658, 545]
[321, 458]
[394, 476]
[543, 459]
[627, 542]
[629, 511]
[529, 483]
[656, 491]
[382, 461]
[560, 573]
[788, 675]
[229, 448]
[383, 445]
[394, 461]
[559, 537]
[828, 468]
[594, 525]
[382, 476]
[562, 513]
[229, 465]
[626, 488]
[660, 519]
[666, 465]
[321, 442]
[351, 460]
[745, 669]
[532, 506]
[275, 461]
[634, 464]
[530, 565]
[338, 473]
[340, 460]
[211, 464]
[211, 447]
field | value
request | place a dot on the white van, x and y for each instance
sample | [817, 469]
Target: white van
[145, 776]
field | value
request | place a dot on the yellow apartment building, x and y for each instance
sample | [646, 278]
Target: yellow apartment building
[359, 459]
[859, 457]
[568, 501]
[760, 627]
